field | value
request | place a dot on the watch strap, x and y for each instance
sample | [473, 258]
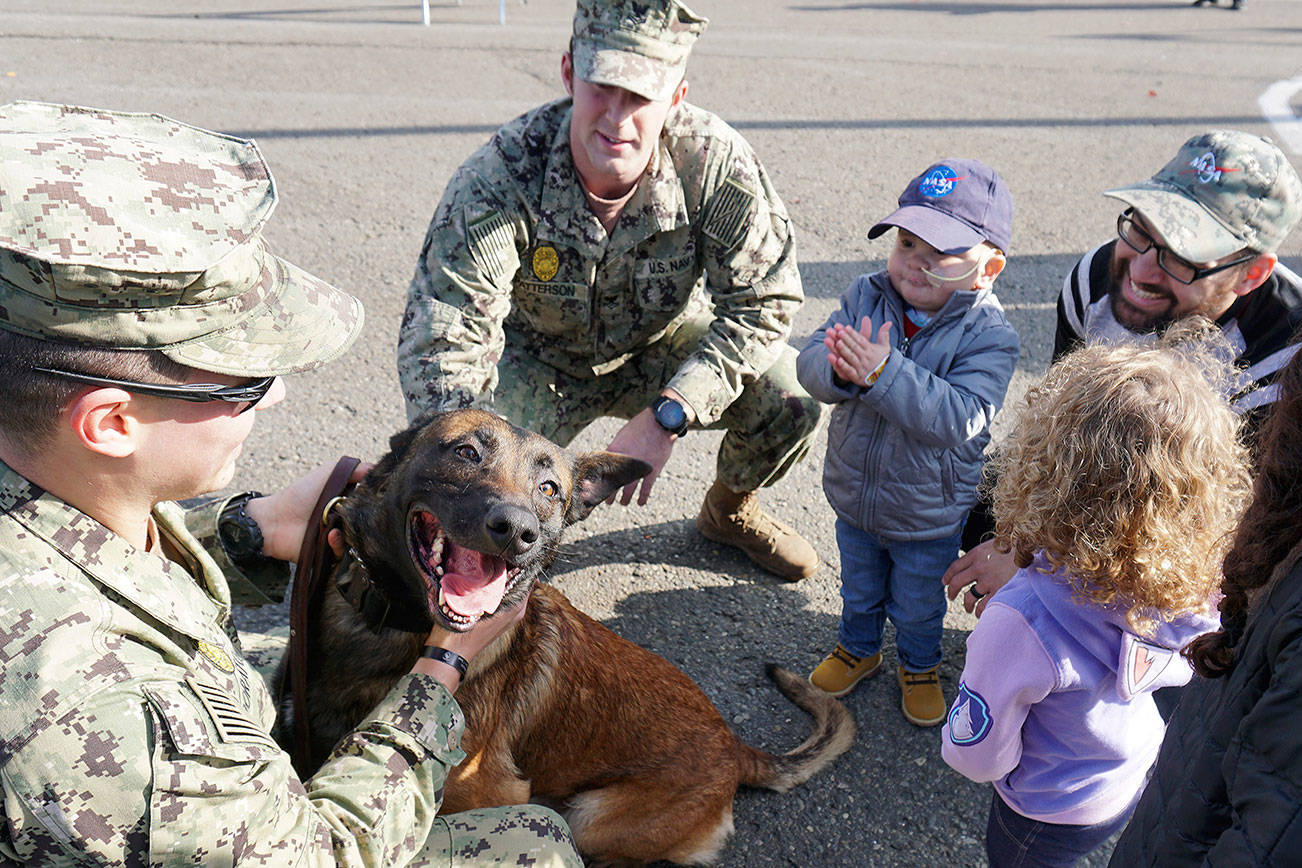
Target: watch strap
[240, 535]
[451, 658]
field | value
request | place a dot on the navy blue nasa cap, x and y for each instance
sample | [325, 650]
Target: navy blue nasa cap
[954, 206]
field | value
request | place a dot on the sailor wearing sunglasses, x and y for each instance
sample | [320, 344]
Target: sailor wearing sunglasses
[142, 318]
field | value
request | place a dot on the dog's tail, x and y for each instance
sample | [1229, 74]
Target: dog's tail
[832, 736]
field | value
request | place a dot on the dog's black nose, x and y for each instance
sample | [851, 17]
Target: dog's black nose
[512, 528]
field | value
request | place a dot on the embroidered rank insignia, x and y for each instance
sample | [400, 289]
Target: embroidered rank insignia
[216, 656]
[491, 245]
[545, 263]
[728, 213]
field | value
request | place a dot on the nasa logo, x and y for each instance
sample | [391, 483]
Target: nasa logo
[939, 182]
[1206, 169]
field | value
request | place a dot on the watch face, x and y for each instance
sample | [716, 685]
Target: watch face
[671, 416]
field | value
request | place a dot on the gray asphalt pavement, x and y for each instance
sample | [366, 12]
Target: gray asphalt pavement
[363, 114]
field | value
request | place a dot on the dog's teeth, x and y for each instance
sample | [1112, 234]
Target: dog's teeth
[439, 569]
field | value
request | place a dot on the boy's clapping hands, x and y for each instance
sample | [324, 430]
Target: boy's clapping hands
[857, 355]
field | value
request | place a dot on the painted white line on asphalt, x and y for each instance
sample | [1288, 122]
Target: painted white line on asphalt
[1274, 104]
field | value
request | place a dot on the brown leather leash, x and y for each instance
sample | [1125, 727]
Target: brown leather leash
[315, 560]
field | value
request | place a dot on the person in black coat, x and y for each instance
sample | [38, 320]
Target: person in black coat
[1227, 786]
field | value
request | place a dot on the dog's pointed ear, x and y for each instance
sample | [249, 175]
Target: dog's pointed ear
[376, 477]
[598, 475]
[399, 442]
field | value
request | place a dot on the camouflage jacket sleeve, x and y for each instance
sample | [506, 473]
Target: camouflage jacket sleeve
[133, 733]
[451, 335]
[751, 278]
[167, 774]
[249, 587]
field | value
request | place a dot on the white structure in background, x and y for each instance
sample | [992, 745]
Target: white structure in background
[1275, 103]
[501, 11]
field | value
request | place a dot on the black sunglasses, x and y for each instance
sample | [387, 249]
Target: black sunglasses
[248, 394]
[1177, 267]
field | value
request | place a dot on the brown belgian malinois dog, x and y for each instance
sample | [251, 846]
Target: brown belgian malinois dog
[461, 518]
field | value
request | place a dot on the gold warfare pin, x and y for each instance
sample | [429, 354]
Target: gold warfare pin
[216, 656]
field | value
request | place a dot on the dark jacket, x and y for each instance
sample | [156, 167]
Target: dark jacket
[1227, 787]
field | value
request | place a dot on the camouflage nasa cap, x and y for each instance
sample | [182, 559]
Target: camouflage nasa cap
[1223, 191]
[134, 231]
[639, 46]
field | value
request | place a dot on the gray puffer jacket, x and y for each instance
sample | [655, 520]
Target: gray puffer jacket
[904, 455]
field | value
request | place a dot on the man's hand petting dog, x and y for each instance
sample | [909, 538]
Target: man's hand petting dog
[642, 437]
[467, 644]
[978, 574]
[283, 517]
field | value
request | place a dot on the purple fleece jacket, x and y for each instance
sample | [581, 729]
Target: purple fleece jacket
[1055, 704]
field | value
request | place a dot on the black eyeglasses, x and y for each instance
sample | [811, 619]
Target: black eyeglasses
[248, 394]
[1179, 268]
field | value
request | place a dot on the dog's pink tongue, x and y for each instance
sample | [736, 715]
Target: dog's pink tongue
[473, 582]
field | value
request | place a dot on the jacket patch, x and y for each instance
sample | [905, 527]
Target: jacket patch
[232, 721]
[1141, 665]
[491, 245]
[969, 719]
[729, 212]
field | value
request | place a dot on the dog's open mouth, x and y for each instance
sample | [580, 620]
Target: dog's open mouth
[462, 584]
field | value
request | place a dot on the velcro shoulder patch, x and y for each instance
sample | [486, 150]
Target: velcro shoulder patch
[233, 722]
[491, 245]
[729, 213]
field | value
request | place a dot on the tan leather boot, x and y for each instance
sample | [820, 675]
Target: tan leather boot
[738, 520]
[921, 699]
[840, 671]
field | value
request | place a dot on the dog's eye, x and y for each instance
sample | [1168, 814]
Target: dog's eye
[549, 489]
[468, 452]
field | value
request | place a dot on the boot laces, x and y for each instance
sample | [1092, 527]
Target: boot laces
[751, 516]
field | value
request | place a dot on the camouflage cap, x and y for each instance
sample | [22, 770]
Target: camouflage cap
[1224, 191]
[135, 231]
[639, 46]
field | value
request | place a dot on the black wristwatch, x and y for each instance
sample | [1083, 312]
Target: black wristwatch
[670, 415]
[240, 535]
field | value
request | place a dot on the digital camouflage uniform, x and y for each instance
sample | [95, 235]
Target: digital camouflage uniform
[522, 302]
[132, 731]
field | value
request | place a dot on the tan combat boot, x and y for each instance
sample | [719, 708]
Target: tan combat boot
[738, 520]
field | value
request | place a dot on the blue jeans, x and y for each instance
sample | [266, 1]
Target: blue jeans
[1014, 841]
[901, 580]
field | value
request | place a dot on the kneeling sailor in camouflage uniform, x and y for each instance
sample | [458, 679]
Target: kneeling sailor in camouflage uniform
[621, 252]
[133, 732]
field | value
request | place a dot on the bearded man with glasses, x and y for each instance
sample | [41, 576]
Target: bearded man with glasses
[1199, 238]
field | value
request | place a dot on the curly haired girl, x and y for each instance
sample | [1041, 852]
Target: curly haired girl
[1225, 787]
[1117, 493]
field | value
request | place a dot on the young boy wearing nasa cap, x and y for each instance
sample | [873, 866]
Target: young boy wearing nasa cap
[917, 360]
